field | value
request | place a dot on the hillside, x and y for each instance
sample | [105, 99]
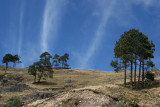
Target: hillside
[75, 87]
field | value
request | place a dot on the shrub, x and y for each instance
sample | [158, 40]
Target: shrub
[149, 76]
[121, 104]
[14, 102]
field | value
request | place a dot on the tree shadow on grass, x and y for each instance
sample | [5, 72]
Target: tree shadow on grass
[154, 84]
[45, 83]
[147, 85]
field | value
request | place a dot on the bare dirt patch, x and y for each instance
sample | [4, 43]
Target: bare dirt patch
[78, 98]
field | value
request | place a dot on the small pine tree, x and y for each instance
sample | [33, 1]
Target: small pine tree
[6, 59]
[114, 64]
[149, 76]
[55, 60]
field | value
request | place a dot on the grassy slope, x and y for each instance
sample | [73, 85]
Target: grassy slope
[109, 82]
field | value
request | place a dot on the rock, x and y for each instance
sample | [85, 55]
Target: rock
[18, 88]
[86, 98]
[14, 88]
[69, 86]
[3, 82]
[1, 77]
[1, 89]
[16, 77]
[46, 89]
[69, 81]
[70, 70]
[144, 91]
[37, 95]
[13, 82]
[44, 94]
[10, 79]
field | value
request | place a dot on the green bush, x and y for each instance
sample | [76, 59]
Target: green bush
[149, 76]
[148, 80]
[14, 102]
[121, 104]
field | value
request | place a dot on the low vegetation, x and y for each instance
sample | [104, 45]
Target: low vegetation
[101, 82]
[14, 102]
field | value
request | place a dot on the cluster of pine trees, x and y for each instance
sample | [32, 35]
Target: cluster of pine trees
[133, 49]
[57, 60]
[43, 67]
[11, 58]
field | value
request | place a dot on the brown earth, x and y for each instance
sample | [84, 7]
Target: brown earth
[80, 87]
[81, 98]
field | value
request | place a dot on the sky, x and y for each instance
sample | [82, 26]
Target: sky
[86, 29]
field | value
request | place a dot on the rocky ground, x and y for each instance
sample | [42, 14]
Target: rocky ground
[80, 98]
[13, 83]
[76, 88]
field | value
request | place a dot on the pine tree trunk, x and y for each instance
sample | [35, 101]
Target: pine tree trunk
[135, 74]
[125, 75]
[6, 68]
[131, 81]
[139, 77]
[40, 77]
[63, 64]
[35, 77]
[143, 73]
[120, 65]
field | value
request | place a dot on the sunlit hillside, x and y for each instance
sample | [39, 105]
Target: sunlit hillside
[69, 81]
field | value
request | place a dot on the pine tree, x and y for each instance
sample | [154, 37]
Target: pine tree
[6, 59]
[131, 46]
[55, 60]
[33, 71]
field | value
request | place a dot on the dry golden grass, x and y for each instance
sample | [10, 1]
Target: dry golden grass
[8, 95]
[109, 83]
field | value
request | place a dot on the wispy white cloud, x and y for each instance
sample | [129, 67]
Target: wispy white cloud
[148, 3]
[20, 39]
[20, 28]
[30, 54]
[105, 11]
[51, 21]
[108, 10]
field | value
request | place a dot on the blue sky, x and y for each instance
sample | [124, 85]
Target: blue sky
[86, 29]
